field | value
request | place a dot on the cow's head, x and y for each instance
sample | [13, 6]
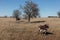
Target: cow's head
[46, 25]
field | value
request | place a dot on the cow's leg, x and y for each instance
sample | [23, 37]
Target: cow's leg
[44, 31]
[41, 31]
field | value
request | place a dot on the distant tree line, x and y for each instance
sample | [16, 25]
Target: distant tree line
[52, 17]
[55, 16]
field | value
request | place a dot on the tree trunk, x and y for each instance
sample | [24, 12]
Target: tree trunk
[16, 19]
[29, 18]
[59, 16]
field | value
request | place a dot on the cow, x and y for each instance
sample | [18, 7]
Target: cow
[17, 19]
[43, 28]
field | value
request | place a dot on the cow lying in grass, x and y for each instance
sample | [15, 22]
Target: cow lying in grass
[43, 28]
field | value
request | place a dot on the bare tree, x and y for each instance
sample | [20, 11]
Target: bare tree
[16, 14]
[31, 9]
[25, 16]
[59, 14]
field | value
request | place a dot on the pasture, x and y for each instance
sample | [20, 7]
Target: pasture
[11, 30]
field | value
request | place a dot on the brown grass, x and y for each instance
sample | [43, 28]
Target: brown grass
[10, 30]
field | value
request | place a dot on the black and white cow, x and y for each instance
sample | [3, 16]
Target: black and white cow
[43, 28]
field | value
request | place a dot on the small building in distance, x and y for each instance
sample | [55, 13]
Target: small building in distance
[52, 16]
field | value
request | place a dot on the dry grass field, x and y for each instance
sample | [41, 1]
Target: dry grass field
[11, 30]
